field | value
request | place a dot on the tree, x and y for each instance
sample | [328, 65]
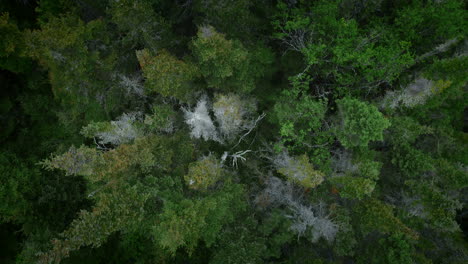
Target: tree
[234, 18]
[200, 122]
[204, 173]
[123, 130]
[433, 205]
[161, 119]
[78, 70]
[299, 114]
[233, 114]
[360, 123]
[140, 24]
[185, 222]
[81, 161]
[354, 187]
[298, 170]
[354, 177]
[374, 215]
[115, 211]
[362, 158]
[310, 221]
[12, 46]
[393, 249]
[16, 188]
[339, 49]
[225, 64]
[167, 75]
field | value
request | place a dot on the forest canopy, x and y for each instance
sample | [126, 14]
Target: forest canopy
[233, 131]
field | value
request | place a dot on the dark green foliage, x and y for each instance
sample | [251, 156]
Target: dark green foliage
[12, 46]
[233, 131]
[298, 114]
[391, 250]
[16, 186]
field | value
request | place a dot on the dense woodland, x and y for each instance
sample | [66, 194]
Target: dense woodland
[233, 131]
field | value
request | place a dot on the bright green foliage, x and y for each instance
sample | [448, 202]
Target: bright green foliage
[203, 173]
[93, 128]
[360, 123]
[167, 75]
[225, 64]
[299, 170]
[370, 169]
[355, 57]
[185, 222]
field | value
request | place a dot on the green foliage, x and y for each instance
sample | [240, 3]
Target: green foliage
[300, 171]
[16, 188]
[75, 161]
[203, 173]
[353, 187]
[345, 241]
[363, 158]
[375, 215]
[299, 114]
[360, 123]
[251, 241]
[47, 9]
[225, 64]
[410, 161]
[167, 75]
[161, 119]
[115, 211]
[140, 24]
[185, 222]
[431, 22]
[234, 18]
[439, 208]
[362, 58]
[12, 46]
[393, 249]
[406, 130]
